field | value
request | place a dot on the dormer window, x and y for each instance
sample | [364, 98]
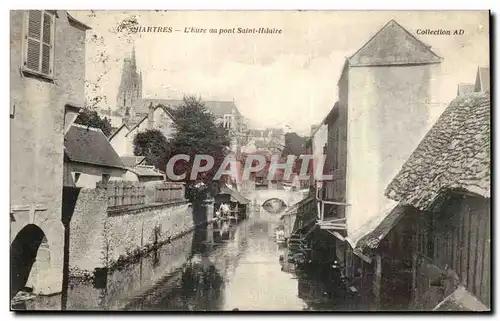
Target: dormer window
[38, 43]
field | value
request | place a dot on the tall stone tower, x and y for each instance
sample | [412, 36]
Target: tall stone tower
[130, 89]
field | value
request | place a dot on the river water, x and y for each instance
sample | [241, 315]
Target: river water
[203, 271]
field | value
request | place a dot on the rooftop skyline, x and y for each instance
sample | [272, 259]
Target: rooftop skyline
[275, 79]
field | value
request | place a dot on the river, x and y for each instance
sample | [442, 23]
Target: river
[202, 271]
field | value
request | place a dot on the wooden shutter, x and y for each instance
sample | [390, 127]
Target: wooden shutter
[39, 38]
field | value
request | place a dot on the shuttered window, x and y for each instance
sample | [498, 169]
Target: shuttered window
[39, 42]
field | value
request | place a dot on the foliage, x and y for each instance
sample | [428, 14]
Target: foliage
[91, 118]
[153, 145]
[197, 133]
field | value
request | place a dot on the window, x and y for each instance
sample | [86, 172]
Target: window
[227, 121]
[105, 178]
[39, 42]
[77, 176]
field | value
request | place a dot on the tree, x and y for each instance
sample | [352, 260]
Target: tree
[153, 145]
[197, 133]
[91, 118]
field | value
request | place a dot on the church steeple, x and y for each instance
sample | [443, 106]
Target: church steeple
[134, 64]
[130, 89]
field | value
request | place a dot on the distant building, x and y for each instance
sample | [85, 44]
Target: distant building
[132, 108]
[482, 79]
[269, 139]
[90, 158]
[47, 89]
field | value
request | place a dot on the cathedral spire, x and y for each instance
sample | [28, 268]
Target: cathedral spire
[133, 56]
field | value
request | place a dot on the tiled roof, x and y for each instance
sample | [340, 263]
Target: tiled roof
[393, 45]
[89, 145]
[454, 155]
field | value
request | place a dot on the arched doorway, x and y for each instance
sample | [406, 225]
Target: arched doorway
[29, 254]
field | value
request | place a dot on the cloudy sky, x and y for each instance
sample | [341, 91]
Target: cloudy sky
[275, 80]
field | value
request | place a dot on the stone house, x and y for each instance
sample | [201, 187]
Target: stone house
[386, 90]
[47, 83]
[90, 158]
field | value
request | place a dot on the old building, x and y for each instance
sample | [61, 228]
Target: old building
[132, 108]
[158, 118]
[47, 81]
[90, 158]
[447, 184]
[386, 90]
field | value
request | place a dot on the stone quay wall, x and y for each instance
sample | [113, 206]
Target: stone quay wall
[104, 237]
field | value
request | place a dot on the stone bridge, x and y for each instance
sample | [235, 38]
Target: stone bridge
[274, 201]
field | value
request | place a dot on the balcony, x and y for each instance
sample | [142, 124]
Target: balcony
[331, 215]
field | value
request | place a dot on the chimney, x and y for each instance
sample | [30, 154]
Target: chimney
[313, 129]
[151, 111]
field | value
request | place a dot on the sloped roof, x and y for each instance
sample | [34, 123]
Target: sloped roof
[455, 154]
[123, 126]
[393, 45]
[131, 161]
[89, 145]
[464, 89]
[372, 240]
[143, 171]
[235, 195]
[137, 124]
[461, 300]
[218, 108]
[482, 79]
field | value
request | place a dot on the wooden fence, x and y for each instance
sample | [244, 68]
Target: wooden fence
[168, 192]
[122, 193]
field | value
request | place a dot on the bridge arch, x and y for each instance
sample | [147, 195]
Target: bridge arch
[274, 205]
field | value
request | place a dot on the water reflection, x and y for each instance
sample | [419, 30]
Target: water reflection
[206, 270]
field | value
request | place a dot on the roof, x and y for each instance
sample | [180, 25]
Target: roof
[137, 124]
[235, 195]
[118, 130]
[372, 240]
[461, 300]
[464, 89]
[76, 22]
[145, 171]
[218, 108]
[393, 45]
[89, 145]
[482, 79]
[131, 161]
[454, 155]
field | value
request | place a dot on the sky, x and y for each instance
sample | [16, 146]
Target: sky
[275, 79]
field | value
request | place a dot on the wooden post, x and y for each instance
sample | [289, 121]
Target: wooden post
[377, 282]
[413, 280]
